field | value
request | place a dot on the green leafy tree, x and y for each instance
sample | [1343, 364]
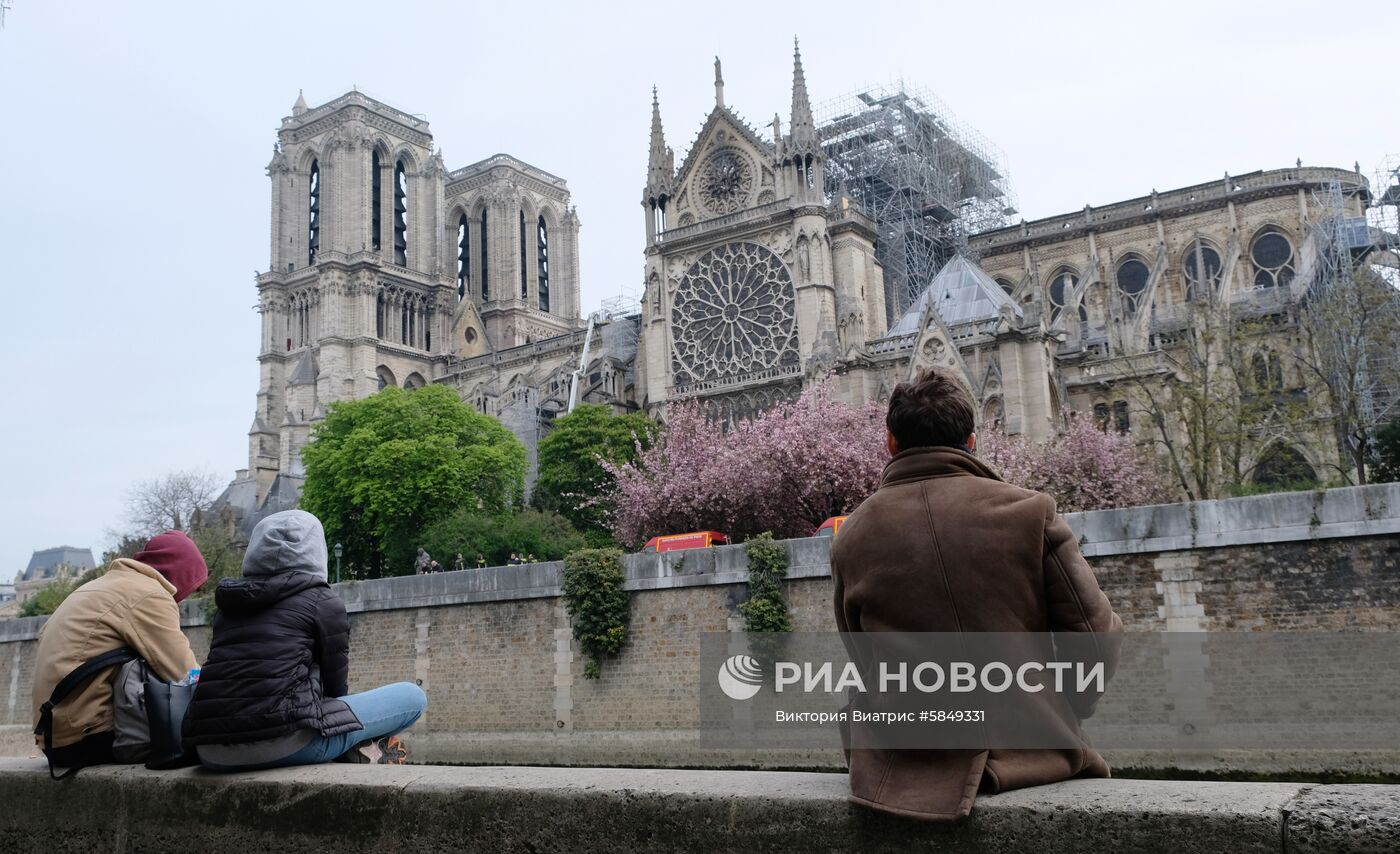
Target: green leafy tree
[572, 480]
[46, 601]
[380, 470]
[1385, 466]
[496, 536]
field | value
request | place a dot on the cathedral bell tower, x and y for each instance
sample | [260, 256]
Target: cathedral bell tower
[356, 296]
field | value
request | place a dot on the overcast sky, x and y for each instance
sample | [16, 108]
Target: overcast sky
[134, 210]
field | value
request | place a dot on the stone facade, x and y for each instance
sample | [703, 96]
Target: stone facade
[1072, 276]
[754, 284]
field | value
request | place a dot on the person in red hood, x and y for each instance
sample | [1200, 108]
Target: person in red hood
[135, 604]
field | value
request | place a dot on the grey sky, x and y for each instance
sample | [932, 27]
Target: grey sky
[134, 209]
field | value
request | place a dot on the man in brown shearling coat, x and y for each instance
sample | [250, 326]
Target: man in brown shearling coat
[944, 545]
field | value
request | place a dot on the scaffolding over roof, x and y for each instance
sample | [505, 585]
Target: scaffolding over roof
[927, 180]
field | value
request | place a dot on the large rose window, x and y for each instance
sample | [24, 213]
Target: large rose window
[733, 315]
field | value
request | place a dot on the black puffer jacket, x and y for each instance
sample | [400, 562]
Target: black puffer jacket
[279, 657]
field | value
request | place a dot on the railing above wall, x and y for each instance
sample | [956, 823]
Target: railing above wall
[1213, 193]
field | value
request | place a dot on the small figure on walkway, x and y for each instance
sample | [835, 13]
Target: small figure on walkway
[434, 566]
[459, 564]
[530, 558]
[480, 561]
[514, 560]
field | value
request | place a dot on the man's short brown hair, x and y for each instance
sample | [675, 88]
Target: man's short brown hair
[932, 409]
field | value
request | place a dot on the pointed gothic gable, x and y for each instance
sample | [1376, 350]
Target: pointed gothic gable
[935, 348]
[724, 129]
[468, 332]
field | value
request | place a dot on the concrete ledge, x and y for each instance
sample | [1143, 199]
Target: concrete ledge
[346, 809]
[1352, 511]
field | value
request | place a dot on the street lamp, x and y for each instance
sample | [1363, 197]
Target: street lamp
[339, 549]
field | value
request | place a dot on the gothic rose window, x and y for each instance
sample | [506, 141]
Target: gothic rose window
[733, 314]
[725, 181]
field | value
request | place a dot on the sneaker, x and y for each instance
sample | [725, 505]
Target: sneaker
[391, 750]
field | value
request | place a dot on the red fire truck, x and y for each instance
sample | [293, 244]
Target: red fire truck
[676, 542]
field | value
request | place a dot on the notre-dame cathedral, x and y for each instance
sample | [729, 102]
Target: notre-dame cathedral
[762, 273]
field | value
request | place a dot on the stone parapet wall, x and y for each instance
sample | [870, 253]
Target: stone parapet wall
[494, 650]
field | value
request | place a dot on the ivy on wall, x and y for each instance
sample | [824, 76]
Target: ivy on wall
[597, 604]
[766, 610]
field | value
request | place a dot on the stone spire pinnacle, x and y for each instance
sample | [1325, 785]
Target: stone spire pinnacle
[300, 106]
[660, 161]
[803, 129]
[719, 85]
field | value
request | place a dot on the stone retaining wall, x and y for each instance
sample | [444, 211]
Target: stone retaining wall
[494, 651]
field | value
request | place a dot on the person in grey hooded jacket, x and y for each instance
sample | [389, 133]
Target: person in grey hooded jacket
[274, 690]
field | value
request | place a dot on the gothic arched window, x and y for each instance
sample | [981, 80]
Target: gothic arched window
[376, 201]
[1272, 255]
[464, 259]
[524, 276]
[485, 277]
[313, 233]
[1202, 268]
[400, 215]
[1283, 465]
[1062, 285]
[1006, 286]
[1132, 282]
[543, 252]
[1268, 371]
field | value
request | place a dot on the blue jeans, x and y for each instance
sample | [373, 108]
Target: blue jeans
[383, 711]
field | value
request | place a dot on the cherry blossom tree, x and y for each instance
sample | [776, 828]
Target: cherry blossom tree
[798, 463]
[1083, 468]
[784, 471]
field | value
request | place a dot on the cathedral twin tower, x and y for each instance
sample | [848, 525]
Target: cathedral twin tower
[386, 268]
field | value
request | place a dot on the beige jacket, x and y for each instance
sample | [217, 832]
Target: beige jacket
[132, 605]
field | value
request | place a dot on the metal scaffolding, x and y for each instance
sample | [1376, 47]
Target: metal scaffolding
[1353, 235]
[926, 180]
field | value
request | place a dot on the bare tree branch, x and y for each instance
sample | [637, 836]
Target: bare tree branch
[169, 502]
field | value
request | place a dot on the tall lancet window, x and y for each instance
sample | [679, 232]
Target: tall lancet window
[313, 234]
[400, 215]
[542, 234]
[524, 277]
[464, 258]
[376, 202]
[485, 271]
